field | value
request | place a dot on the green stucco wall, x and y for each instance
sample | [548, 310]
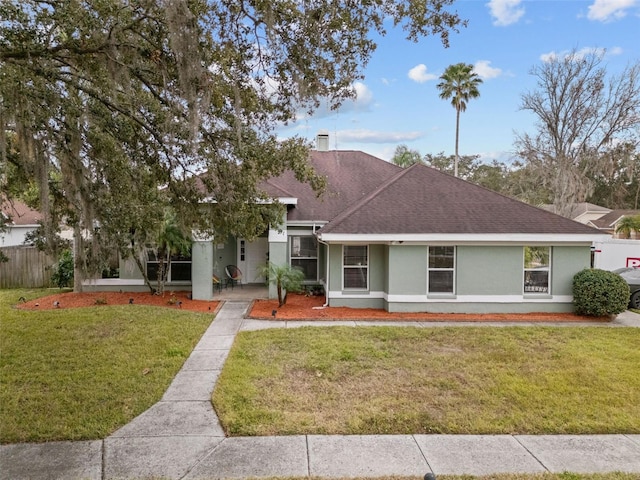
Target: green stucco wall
[202, 256]
[489, 270]
[482, 272]
[407, 266]
[224, 254]
[567, 261]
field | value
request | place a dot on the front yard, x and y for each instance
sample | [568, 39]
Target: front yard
[75, 374]
[395, 380]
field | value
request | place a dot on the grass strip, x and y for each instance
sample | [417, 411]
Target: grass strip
[79, 374]
[395, 380]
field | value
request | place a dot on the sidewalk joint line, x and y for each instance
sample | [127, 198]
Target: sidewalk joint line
[306, 442]
[515, 437]
[422, 453]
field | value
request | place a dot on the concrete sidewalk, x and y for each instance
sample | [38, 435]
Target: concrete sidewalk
[180, 437]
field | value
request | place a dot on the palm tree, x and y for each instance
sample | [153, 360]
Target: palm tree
[460, 84]
[287, 279]
[627, 225]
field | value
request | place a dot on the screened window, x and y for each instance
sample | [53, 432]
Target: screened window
[537, 269]
[179, 271]
[441, 269]
[355, 267]
[304, 255]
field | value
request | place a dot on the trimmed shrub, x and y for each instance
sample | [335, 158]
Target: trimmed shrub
[599, 292]
[63, 270]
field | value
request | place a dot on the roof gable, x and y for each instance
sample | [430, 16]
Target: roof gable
[611, 219]
[422, 200]
[350, 176]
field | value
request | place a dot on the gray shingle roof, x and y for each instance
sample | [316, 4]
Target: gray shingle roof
[422, 200]
[350, 175]
[609, 220]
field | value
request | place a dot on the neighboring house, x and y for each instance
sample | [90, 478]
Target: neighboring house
[583, 212]
[410, 239]
[19, 220]
[602, 218]
[609, 222]
[588, 212]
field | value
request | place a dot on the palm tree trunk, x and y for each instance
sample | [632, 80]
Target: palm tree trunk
[455, 165]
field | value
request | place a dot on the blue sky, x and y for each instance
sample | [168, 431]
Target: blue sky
[398, 103]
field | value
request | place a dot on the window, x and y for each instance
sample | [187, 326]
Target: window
[355, 261]
[179, 271]
[440, 269]
[304, 255]
[536, 269]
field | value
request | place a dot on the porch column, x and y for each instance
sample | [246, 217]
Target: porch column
[202, 267]
[277, 252]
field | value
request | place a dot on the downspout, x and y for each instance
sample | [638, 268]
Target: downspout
[326, 290]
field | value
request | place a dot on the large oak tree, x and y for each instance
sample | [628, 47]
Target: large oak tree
[119, 109]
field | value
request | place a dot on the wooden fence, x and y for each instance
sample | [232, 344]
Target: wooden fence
[27, 267]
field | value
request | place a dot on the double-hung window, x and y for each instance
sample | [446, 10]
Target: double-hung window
[355, 267]
[441, 269]
[304, 255]
[537, 269]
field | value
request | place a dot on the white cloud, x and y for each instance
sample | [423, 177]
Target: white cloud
[580, 54]
[607, 10]
[505, 12]
[364, 96]
[484, 70]
[419, 74]
[361, 102]
[374, 136]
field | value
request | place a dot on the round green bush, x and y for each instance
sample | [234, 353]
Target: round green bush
[599, 292]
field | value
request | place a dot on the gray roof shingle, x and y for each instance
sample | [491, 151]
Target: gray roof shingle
[422, 200]
[350, 175]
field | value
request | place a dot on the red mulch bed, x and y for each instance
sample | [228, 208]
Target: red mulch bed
[298, 307]
[301, 307]
[74, 300]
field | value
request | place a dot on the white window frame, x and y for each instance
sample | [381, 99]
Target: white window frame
[292, 257]
[536, 269]
[447, 269]
[366, 267]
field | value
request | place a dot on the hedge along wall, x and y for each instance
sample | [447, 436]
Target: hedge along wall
[27, 267]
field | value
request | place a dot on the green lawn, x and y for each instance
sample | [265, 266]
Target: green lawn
[76, 374]
[394, 380]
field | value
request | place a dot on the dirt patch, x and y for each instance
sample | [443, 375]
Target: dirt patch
[310, 308]
[74, 300]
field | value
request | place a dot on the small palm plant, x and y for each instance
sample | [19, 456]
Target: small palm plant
[287, 279]
[627, 225]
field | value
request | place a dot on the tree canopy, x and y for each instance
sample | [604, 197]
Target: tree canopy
[118, 109]
[585, 119]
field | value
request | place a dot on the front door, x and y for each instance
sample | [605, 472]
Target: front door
[252, 256]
